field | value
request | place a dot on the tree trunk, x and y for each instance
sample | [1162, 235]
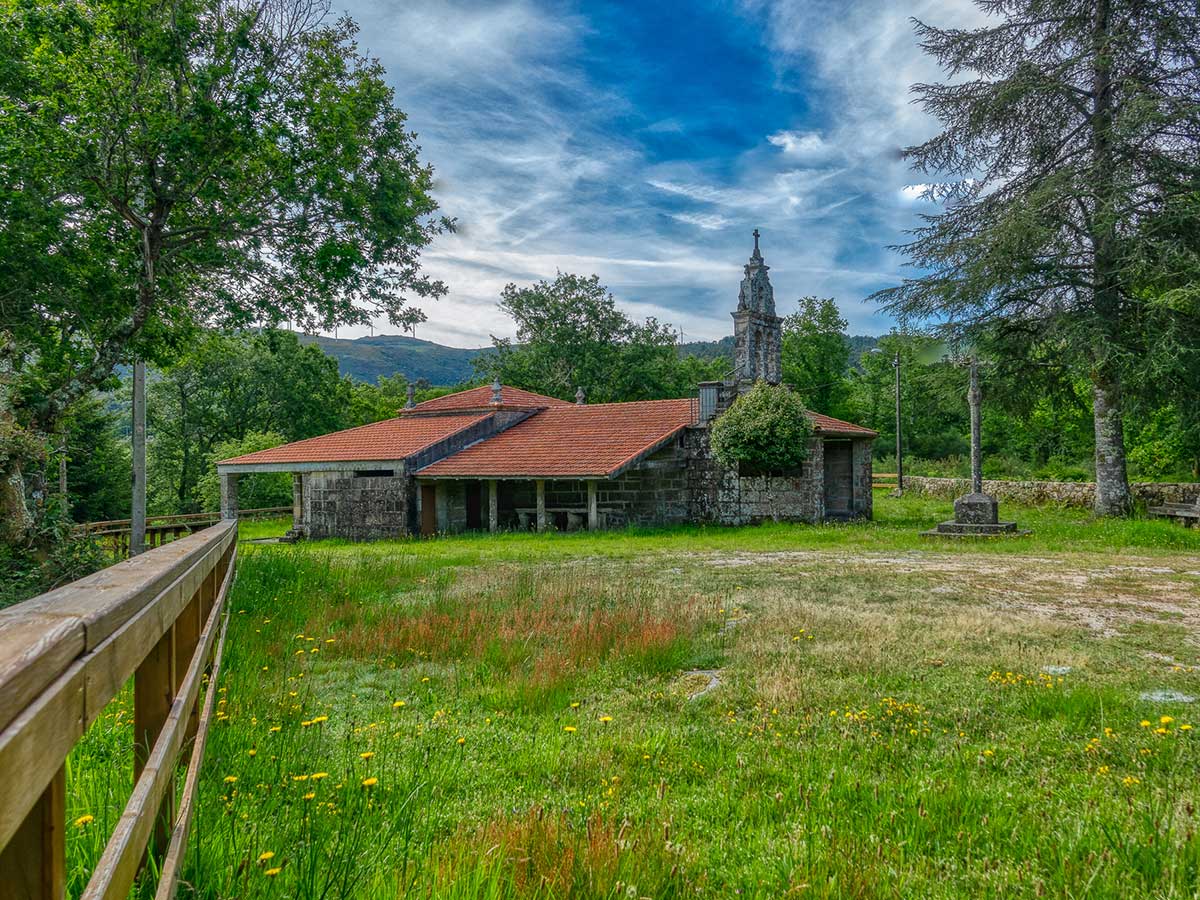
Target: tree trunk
[1112, 479]
[16, 522]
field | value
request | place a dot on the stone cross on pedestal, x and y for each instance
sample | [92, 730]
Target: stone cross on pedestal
[975, 513]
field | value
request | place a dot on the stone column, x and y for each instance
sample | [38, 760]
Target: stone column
[229, 497]
[493, 507]
[297, 500]
[975, 400]
[541, 505]
[593, 512]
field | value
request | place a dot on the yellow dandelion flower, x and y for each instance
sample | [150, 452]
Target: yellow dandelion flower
[230, 779]
[1130, 781]
[1185, 727]
[425, 680]
[1166, 720]
[265, 855]
[274, 728]
[252, 752]
[329, 640]
[299, 778]
[569, 729]
[367, 755]
[1145, 723]
[309, 795]
[1103, 770]
[85, 820]
[317, 719]
[271, 873]
[398, 704]
[606, 719]
[461, 741]
[370, 782]
[575, 705]
[317, 776]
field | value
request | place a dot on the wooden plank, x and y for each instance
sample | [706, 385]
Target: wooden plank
[187, 637]
[153, 696]
[35, 743]
[33, 865]
[118, 866]
[34, 649]
[111, 596]
[172, 864]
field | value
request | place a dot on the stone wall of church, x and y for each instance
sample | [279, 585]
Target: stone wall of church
[720, 495]
[339, 504]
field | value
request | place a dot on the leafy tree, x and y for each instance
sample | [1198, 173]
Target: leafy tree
[257, 490]
[570, 334]
[766, 431]
[1068, 142]
[229, 386]
[98, 465]
[816, 355]
[194, 162]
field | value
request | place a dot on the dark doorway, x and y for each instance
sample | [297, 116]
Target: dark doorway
[428, 509]
[474, 506]
[839, 479]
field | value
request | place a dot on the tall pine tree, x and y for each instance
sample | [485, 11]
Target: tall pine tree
[1070, 144]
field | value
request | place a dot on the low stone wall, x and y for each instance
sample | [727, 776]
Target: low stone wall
[1061, 493]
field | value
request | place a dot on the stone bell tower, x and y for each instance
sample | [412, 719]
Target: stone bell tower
[757, 331]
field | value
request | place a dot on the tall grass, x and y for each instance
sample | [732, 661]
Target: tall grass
[510, 717]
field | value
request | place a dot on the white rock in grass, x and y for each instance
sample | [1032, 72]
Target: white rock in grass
[1056, 670]
[1167, 697]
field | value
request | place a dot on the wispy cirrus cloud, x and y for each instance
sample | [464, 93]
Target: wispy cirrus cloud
[642, 145]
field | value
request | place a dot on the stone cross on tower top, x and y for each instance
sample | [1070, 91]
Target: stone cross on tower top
[757, 331]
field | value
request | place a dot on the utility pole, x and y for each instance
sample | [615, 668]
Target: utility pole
[137, 536]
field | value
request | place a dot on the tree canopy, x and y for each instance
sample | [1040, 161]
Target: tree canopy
[571, 335]
[197, 162]
[765, 432]
[1069, 171]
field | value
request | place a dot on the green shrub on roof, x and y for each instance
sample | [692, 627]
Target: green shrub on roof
[765, 431]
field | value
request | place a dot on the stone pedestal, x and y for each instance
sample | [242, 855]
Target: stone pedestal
[975, 515]
[977, 509]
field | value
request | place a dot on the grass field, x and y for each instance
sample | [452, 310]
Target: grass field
[838, 711]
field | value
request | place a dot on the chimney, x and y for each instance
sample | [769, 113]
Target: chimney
[496, 397]
[580, 397]
[708, 399]
[412, 397]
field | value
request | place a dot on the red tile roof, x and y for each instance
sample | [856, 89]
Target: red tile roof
[829, 425]
[571, 441]
[386, 440]
[481, 398]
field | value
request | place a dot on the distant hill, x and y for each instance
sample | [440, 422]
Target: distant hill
[367, 358]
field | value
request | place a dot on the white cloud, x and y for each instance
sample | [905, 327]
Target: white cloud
[707, 221]
[805, 145]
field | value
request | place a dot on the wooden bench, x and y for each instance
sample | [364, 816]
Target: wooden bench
[1185, 513]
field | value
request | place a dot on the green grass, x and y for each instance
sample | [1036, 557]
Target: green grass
[882, 725]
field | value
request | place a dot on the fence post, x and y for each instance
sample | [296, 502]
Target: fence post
[153, 691]
[34, 864]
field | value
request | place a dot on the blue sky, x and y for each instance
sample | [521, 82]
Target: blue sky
[644, 141]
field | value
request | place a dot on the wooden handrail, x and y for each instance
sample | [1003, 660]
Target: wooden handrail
[63, 656]
[113, 526]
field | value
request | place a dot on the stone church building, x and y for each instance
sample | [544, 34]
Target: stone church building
[502, 458]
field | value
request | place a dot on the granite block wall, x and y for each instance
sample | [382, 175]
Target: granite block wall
[1062, 493]
[337, 504]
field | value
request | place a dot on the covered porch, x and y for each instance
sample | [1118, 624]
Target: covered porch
[449, 504]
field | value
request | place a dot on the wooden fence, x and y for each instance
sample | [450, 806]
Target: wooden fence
[160, 618]
[884, 480]
[161, 529]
